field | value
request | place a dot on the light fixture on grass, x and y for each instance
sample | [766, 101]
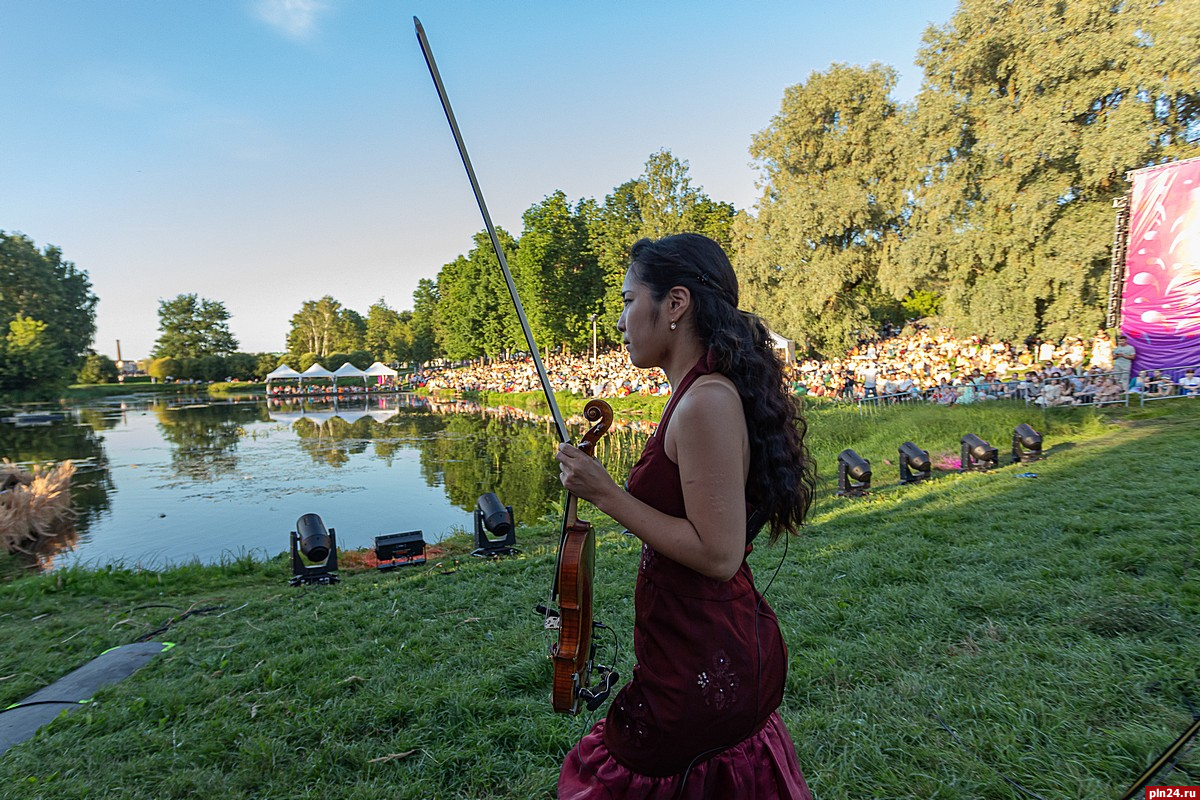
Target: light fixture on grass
[914, 458]
[398, 549]
[1026, 444]
[319, 547]
[977, 455]
[492, 516]
[854, 474]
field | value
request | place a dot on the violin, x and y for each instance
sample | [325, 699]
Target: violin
[574, 652]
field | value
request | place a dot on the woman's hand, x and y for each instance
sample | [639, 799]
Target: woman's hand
[582, 475]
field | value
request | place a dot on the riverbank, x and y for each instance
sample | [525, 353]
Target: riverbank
[1050, 622]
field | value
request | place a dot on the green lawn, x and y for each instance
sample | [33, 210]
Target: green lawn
[1052, 623]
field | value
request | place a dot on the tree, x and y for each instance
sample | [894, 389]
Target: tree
[1030, 114]
[424, 342]
[557, 273]
[40, 287]
[830, 209]
[324, 327]
[265, 364]
[387, 334]
[661, 201]
[475, 315]
[163, 368]
[97, 368]
[192, 327]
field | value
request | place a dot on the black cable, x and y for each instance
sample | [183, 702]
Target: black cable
[189, 613]
[16, 706]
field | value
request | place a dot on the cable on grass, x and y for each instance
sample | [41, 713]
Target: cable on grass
[977, 757]
[16, 706]
[191, 612]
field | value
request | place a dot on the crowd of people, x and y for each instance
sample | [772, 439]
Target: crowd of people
[608, 375]
[913, 364]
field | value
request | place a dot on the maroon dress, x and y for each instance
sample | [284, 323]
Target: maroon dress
[709, 677]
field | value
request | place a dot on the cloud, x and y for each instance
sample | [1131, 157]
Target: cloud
[295, 19]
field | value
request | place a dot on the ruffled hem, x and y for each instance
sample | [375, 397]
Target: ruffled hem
[763, 767]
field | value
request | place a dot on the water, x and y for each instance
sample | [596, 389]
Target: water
[162, 481]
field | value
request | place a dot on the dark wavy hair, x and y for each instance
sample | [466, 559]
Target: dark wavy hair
[782, 474]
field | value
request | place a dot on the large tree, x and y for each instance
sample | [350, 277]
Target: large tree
[557, 273]
[1031, 113]
[192, 327]
[659, 202]
[424, 340]
[47, 315]
[323, 327]
[830, 209]
[475, 316]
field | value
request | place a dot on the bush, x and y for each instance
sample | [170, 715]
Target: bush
[97, 368]
[163, 368]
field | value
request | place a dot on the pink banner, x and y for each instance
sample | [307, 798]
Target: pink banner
[1160, 307]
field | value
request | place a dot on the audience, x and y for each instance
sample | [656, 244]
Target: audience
[917, 363]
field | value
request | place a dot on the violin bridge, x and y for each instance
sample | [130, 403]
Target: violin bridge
[553, 623]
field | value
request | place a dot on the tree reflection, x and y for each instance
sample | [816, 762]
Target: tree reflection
[205, 436]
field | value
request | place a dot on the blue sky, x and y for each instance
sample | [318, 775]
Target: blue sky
[267, 152]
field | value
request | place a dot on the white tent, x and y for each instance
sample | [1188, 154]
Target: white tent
[283, 372]
[382, 373]
[316, 371]
[348, 370]
[785, 347]
[380, 369]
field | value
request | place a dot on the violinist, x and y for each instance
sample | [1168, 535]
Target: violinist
[699, 718]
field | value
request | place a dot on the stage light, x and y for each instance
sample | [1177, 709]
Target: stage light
[495, 517]
[977, 455]
[854, 474]
[319, 546]
[1026, 444]
[398, 549]
[914, 458]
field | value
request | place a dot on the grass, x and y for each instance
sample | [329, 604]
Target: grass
[1052, 623]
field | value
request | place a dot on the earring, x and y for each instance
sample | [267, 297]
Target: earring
[674, 325]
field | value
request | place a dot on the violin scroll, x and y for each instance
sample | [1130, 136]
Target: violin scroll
[600, 414]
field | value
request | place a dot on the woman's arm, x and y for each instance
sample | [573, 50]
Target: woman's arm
[707, 437]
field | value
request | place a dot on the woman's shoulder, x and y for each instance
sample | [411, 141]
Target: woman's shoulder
[711, 398]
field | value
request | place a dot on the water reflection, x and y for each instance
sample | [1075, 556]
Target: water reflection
[205, 436]
[241, 472]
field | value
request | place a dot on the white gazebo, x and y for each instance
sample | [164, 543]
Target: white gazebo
[382, 372]
[315, 371]
[283, 373]
[785, 347]
[348, 370]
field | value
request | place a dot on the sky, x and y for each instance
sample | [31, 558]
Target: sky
[263, 153]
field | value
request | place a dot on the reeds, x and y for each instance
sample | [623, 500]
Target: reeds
[36, 517]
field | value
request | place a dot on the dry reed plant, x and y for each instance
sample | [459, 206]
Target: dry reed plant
[34, 506]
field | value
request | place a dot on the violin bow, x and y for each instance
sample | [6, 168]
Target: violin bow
[559, 423]
[592, 696]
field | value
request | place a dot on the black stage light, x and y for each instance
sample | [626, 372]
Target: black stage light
[854, 474]
[1026, 444]
[398, 549]
[914, 458]
[319, 546]
[977, 455]
[497, 518]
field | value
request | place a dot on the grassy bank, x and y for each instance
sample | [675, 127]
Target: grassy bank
[1050, 622]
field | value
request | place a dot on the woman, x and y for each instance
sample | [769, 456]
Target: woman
[699, 718]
